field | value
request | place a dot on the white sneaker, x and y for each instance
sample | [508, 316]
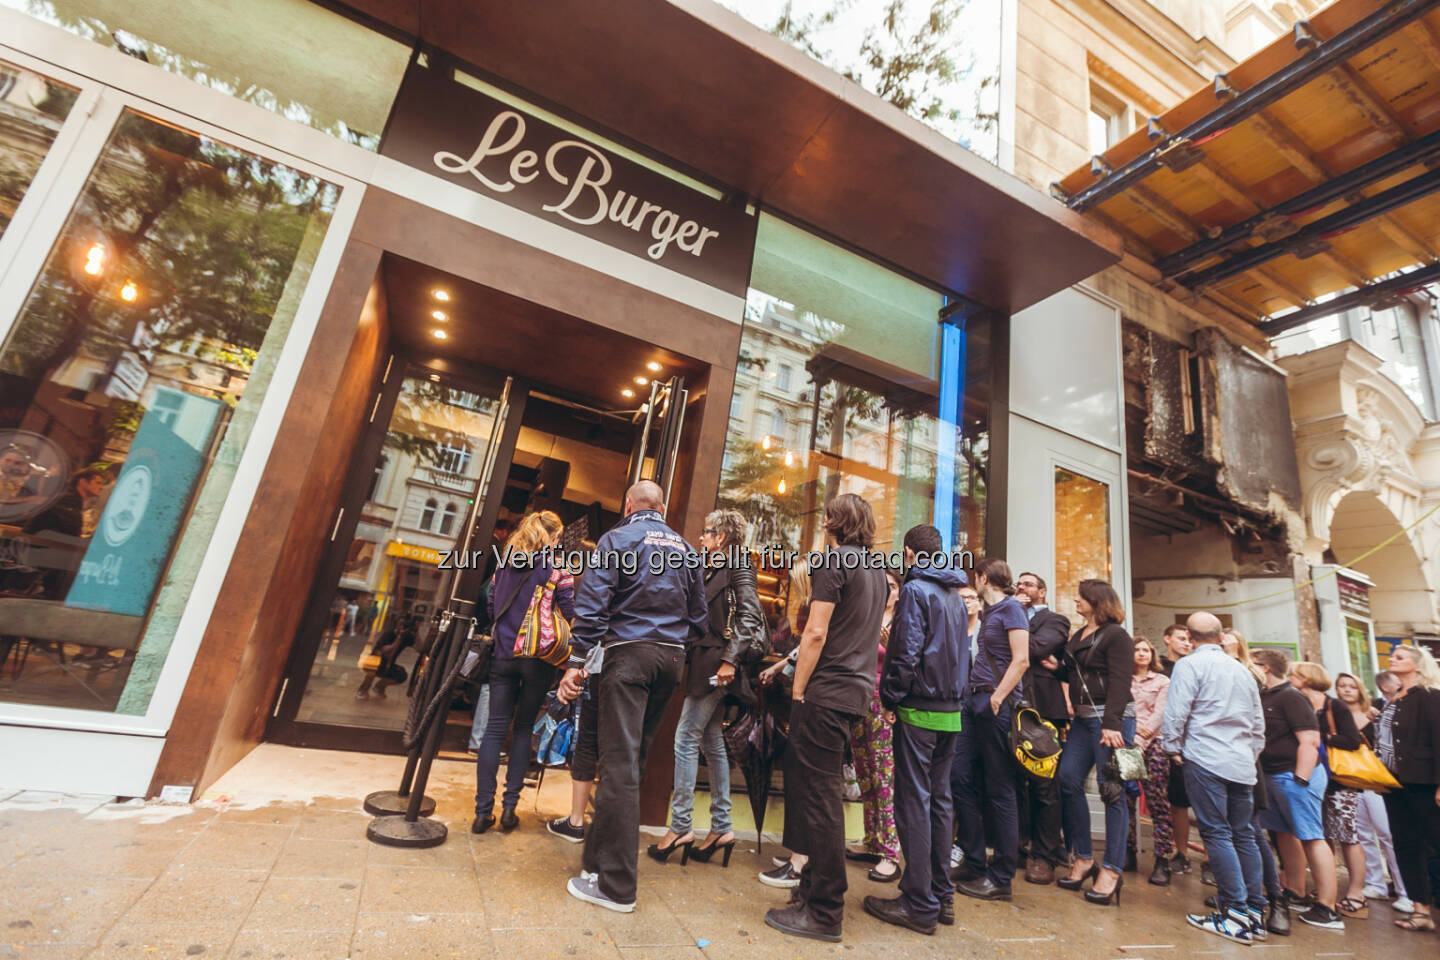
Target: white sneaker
[1403, 905]
[1376, 893]
[957, 856]
[587, 887]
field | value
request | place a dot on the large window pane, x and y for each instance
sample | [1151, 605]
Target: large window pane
[32, 108]
[292, 57]
[841, 388]
[128, 387]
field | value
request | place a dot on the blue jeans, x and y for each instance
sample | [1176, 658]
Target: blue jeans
[1082, 752]
[984, 768]
[701, 728]
[1223, 811]
[482, 714]
[517, 690]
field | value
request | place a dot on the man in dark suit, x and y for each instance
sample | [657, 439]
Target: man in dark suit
[1041, 843]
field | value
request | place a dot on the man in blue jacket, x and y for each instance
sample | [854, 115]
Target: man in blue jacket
[921, 686]
[642, 600]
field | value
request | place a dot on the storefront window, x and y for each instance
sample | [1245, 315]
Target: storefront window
[291, 57]
[1082, 537]
[32, 108]
[128, 386]
[1357, 638]
[847, 382]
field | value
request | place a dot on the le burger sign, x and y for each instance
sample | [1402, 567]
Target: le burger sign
[459, 133]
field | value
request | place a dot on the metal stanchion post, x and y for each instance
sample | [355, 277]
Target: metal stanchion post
[411, 829]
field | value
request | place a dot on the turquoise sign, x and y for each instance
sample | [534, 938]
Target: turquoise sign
[131, 546]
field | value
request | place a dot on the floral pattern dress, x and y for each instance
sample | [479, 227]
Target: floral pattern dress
[870, 742]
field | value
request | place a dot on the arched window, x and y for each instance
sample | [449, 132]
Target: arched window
[447, 519]
[427, 516]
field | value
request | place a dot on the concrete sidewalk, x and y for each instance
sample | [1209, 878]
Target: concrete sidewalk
[273, 863]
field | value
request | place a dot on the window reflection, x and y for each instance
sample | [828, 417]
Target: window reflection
[32, 109]
[1082, 537]
[128, 384]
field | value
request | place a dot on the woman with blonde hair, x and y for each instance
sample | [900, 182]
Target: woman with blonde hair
[1341, 807]
[517, 685]
[1371, 820]
[1409, 742]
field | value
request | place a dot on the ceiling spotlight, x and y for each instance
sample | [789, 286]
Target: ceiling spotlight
[627, 393]
[439, 315]
[129, 293]
[441, 295]
[435, 376]
[653, 367]
[439, 334]
[641, 380]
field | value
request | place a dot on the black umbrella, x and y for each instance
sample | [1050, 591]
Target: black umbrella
[754, 742]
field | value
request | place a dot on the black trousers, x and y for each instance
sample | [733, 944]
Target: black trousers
[814, 806]
[924, 817]
[637, 682]
[1041, 834]
[985, 776]
[587, 737]
[1415, 823]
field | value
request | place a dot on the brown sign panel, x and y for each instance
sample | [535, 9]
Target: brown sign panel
[458, 133]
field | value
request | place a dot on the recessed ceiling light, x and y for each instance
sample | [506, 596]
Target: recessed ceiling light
[441, 295]
[439, 334]
[641, 380]
[653, 367]
[434, 376]
[627, 392]
[439, 315]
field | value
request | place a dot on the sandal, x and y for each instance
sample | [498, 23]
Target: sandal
[1355, 907]
[1415, 923]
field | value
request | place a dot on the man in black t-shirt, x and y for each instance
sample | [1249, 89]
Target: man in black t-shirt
[834, 682]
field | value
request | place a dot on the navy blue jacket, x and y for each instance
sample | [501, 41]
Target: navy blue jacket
[645, 584]
[926, 667]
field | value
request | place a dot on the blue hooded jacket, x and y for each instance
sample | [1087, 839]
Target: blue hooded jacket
[926, 666]
[647, 585]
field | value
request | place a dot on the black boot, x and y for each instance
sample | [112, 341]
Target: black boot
[1132, 862]
[1160, 876]
[1278, 919]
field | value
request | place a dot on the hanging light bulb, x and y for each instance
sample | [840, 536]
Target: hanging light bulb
[129, 293]
[789, 459]
[95, 259]
[780, 487]
[765, 442]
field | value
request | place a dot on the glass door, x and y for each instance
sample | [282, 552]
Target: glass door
[417, 487]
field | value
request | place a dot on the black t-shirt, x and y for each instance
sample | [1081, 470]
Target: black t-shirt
[844, 676]
[1286, 712]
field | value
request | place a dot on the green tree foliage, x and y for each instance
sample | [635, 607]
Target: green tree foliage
[750, 484]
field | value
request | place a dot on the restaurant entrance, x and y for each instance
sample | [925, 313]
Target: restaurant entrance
[487, 409]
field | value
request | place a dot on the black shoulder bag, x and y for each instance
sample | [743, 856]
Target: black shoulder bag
[475, 667]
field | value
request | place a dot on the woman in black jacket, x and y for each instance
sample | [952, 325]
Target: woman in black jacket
[736, 618]
[1409, 741]
[1099, 661]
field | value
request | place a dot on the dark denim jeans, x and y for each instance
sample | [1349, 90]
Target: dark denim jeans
[636, 684]
[517, 689]
[984, 768]
[924, 817]
[1224, 812]
[1083, 752]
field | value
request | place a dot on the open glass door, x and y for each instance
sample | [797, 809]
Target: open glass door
[657, 440]
[407, 522]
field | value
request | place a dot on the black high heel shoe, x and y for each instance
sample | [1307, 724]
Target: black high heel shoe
[704, 853]
[1106, 899]
[662, 854]
[1065, 883]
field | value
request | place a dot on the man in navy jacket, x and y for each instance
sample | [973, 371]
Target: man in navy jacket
[642, 600]
[921, 686]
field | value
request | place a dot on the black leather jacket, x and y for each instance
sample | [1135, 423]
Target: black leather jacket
[708, 652]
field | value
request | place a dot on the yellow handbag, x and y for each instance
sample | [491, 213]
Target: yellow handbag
[1358, 769]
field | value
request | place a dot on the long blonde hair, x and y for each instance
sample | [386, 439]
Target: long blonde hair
[1242, 653]
[1428, 674]
[535, 532]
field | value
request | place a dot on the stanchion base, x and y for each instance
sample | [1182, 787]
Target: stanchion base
[385, 803]
[399, 832]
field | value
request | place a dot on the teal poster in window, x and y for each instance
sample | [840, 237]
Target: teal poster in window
[122, 567]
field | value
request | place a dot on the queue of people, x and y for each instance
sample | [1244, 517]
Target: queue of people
[919, 674]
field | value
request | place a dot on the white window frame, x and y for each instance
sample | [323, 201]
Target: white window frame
[38, 223]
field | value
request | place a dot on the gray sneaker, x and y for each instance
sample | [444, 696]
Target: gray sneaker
[587, 887]
[783, 877]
